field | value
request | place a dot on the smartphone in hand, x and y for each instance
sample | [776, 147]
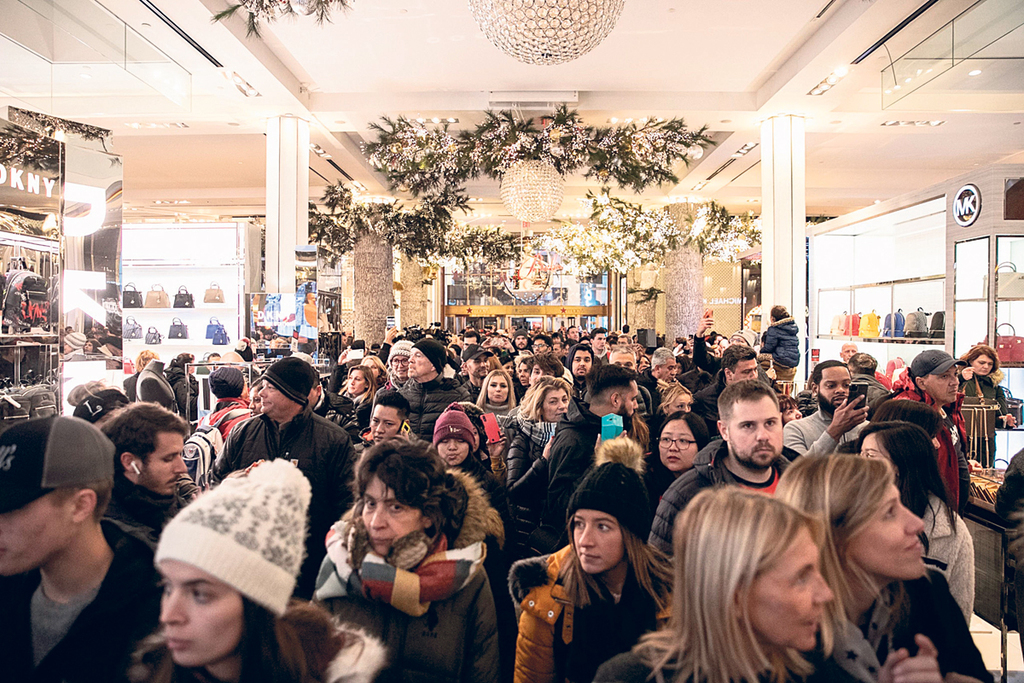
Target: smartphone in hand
[856, 391]
[611, 426]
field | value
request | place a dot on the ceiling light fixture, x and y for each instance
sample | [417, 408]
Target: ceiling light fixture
[826, 83]
[319, 151]
[700, 186]
[744, 150]
[243, 86]
[911, 124]
[976, 72]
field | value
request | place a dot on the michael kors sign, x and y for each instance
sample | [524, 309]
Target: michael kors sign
[967, 205]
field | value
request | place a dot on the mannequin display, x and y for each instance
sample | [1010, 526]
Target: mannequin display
[153, 387]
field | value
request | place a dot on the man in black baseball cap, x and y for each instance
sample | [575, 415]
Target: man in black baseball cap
[475, 367]
[288, 428]
[933, 380]
[75, 592]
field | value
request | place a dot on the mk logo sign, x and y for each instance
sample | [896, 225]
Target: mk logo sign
[967, 205]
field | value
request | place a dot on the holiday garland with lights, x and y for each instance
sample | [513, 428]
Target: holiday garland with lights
[271, 10]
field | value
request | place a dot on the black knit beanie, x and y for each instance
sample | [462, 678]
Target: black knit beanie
[617, 490]
[293, 377]
[434, 352]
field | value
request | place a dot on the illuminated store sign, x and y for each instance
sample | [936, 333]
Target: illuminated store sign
[26, 181]
[967, 205]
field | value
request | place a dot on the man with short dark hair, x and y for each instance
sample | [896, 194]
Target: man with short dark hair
[836, 421]
[76, 593]
[558, 348]
[739, 363]
[625, 357]
[475, 367]
[580, 362]
[541, 344]
[572, 335]
[545, 365]
[390, 411]
[613, 391]
[151, 482]
[599, 342]
[863, 368]
[932, 379]
[288, 428]
[470, 336]
[750, 454]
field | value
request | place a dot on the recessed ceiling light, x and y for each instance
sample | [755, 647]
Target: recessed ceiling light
[826, 83]
[86, 76]
[878, 201]
[726, 121]
[976, 72]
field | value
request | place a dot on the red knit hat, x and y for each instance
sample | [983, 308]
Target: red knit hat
[455, 424]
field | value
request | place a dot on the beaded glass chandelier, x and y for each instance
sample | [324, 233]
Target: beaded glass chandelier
[532, 190]
[546, 31]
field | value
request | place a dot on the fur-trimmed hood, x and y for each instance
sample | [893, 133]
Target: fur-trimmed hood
[622, 450]
[534, 572]
[360, 659]
[783, 321]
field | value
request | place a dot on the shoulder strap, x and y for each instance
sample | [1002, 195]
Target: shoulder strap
[230, 415]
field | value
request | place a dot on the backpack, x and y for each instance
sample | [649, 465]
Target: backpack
[937, 328]
[917, 324]
[203, 447]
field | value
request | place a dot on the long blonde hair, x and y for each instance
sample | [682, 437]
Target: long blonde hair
[532, 407]
[724, 539]
[844, 492]
[510, 400]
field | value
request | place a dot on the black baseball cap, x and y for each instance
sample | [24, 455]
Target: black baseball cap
[40, 456]
[475, 351]
[933, 362]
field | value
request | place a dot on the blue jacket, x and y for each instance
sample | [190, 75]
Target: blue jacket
[782, 342]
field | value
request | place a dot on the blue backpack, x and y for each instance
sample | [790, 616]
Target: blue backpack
[894, 324]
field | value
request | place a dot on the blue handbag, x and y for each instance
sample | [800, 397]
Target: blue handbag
[220, 337]
[211, 328]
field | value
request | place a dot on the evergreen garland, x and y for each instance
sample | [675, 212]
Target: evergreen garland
[417, 159]
[270, 11]
[640, 156]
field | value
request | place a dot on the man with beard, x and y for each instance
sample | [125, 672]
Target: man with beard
[475, 367]
[836, 422]
[613, 391]
[750, 454]
[581, 361]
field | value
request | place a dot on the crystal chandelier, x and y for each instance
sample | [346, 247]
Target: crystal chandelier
[546, 31]
[532, 190]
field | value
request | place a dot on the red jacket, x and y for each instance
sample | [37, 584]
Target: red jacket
[949, 464]
[224, 406]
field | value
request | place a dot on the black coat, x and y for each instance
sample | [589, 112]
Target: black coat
[428, 400]
[527, 485]
[705, 403]
[708, 470]
[186, 392]
[321, 450]
[98, 647]
[572, 453]
[650, 383]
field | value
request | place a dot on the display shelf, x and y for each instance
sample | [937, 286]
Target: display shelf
[884, 340]
[204, 307]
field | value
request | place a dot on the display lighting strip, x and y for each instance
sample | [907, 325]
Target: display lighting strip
[744, 150]
[243, 86]
[138, 126]
[319, 151]
[829, 81]
[911, 124]
[436, 119]
[171, 201]
[700, 186]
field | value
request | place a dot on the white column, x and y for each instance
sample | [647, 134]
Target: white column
[287, 199]
[783, 221]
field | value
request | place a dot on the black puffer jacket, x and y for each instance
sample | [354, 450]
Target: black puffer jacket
[705, 402]
[321, 450]
[140, 513]
[527, 486]
[428, 400]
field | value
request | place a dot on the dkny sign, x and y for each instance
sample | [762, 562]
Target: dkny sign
[967, 205]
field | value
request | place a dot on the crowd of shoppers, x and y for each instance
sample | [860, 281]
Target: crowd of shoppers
[496, 507]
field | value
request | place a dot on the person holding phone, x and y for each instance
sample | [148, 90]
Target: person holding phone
[842, 412]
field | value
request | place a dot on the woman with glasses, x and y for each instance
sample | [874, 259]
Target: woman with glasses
[682, 435]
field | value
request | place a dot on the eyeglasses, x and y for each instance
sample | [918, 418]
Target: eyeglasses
[680, 443]
[399, 360]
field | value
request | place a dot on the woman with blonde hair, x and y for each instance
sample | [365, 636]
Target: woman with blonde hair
[497, 395]
[887, 604]
[597, 596]
[748, 597]
[527, 478]
[380, 372]
[360, 388]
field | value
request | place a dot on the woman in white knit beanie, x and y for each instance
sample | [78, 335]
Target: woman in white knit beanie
[229, 562]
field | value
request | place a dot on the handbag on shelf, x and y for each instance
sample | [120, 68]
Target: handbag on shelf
[1009, 347]
[1009, 284]
[156, 297]
[916, 324]
[214, 294]
[220, 337]
[132, 329]
[869, 326]
[153, 336]
[211, 327]
[851, 326]
[178, 329]
[183, 299]
[1015, 406]
[837, 325]
[131, 298]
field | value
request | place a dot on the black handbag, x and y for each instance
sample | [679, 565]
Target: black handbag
[153, 336]
[178, 329]
[131, 329]
[131, 298]
[183, 299]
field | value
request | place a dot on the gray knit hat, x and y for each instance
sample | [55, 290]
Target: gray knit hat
[401, 348]
[249, 532]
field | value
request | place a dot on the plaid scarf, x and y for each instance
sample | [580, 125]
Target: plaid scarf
[439, 575]
[539, 432]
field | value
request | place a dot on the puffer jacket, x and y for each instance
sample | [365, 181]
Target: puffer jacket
[527, 480]
[952, 461]
[428, 400]
[321, 450]
[708, 470]
[782, 340]
[456, 640]
[186, 392]
[561, 642]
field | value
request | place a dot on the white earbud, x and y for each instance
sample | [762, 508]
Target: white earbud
[135, 467]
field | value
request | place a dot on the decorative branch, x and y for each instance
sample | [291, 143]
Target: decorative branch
[639, 156]
[269, 11]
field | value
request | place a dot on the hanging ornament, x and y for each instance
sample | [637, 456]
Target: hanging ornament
[546, 31]
[532, 190]
[695, 152]
[301, 7]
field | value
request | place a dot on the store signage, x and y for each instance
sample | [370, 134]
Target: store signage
[85, 209]
[491, 311]
[26, 181]
[967, 205]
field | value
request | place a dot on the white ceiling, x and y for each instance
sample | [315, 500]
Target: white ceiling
[728, 64]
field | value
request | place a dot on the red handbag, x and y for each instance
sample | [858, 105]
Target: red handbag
[1009, 347]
